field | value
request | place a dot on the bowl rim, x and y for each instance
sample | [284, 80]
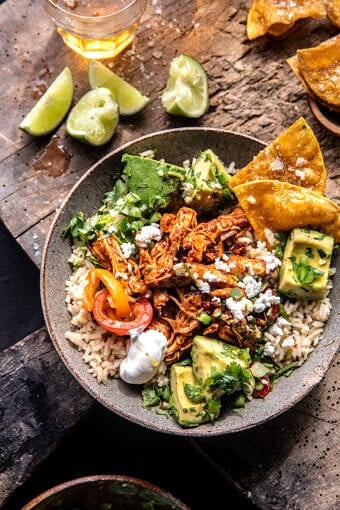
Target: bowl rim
[314, 379]
[89, 479]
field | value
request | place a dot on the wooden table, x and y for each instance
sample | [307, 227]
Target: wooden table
[289, 463]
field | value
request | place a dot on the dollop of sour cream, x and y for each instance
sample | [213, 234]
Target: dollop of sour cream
[145, 354]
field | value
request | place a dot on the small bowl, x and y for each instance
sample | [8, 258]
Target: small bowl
[329, 119]
[105, 492]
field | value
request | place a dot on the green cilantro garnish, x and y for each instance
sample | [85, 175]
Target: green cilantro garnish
[304, 273]
[194, 393]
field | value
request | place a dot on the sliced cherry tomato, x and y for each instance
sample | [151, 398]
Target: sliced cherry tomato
[119, 300]
[142, 313]
[261, 393]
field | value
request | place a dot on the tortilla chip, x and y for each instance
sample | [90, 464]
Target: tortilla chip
[294, 156]
[320, 71]
[333, 12]
[274, 206]
[276, 17]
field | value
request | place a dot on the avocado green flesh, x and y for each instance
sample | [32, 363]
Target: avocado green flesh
[209, 357]
[209, 179]
[188, 413]
[310, 250]
[208, 353]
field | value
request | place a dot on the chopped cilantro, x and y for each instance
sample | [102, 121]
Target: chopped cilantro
[280, 243]
[194, 393]
[304, 273]
[204, 318]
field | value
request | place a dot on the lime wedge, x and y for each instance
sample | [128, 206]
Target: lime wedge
[94, 118]
[129, 99]
[186, 91]
[52, 107]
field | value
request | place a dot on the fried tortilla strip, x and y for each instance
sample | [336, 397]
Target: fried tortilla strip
[318, 69]
[294, 156]
[275, 206]
[276, 17]
[333, 12]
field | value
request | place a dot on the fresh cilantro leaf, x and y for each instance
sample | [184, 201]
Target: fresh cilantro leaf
[304, 273]
[194, 393]
[280, 244]
[150, 397]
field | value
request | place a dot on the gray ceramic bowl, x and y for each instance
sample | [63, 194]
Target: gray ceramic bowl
[105, 492]
[174, 146]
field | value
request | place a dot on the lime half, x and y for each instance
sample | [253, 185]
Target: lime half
[94, 118]
[52, 107]
[130, 100]
[186, 91]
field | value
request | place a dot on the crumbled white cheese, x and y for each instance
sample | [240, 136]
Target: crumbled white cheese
[203, 286]
[222, 266]
[251, 286]
[271, 261]
[276, 330]
[265, 300]
[281, 322]
[269, 349]
[128, 249]
[210, 277]
[147, 234]
[187, 191]
[239, 308]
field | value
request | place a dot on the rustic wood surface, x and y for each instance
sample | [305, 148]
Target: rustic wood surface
[288, 463]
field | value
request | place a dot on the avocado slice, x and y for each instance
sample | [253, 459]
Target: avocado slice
[305, 264]
[210, 355]
[209, 180]
[187, 412]
[221, 368]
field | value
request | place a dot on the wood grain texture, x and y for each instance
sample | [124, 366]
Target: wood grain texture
[289, 463]
[252, 91]
[39, 401]
[292, 462]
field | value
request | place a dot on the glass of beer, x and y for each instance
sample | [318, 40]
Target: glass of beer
[96, 29]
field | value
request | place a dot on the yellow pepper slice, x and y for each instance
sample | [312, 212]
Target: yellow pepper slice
[118, 298]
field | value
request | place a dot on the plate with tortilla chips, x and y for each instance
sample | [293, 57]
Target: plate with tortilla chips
[318, 69]
[333, 12]
[276, 17]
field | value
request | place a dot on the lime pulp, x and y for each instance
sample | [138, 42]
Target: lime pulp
[186, 91]
[94, 118]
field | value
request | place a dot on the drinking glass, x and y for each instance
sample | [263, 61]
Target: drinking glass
[96, 29]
